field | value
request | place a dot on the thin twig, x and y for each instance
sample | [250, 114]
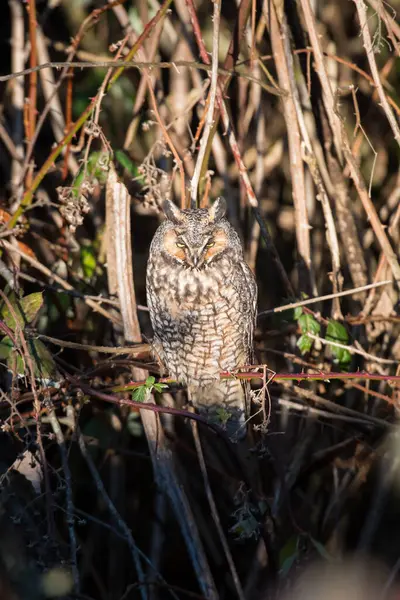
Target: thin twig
[392, 26]
[73, 293]
[333, 406]
[133, 64]
[324, 413]
[35, 263]
[160, 14]
[211, 105]
[370, 209]
[331, 235]
[323, 298]
[353, 350]
[131, 350]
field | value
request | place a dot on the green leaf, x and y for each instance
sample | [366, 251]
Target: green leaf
[126, 162]
[159, 387]
[12, 298]
[298, 311]
[134, 424]
[321, 549]
[88, 261]
[336, 332]
[150, 381]
[308, 324]
[288, 555]
[139, 395]
[344, 358]
[246, 526]
[341, 356]
[43, 363]
[288, 564]
[44, 366]
[304, 343]
[96, 167]
[55, 311]
[25, 310]
[15, 363]
[223, 415]
[6, 347]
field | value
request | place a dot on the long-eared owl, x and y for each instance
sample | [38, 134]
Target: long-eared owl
[202, 298]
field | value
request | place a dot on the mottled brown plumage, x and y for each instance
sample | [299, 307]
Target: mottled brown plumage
[202, 299]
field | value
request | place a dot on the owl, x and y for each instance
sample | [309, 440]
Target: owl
[202, 299]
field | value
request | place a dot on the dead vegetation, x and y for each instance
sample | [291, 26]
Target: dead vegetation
[291, 111]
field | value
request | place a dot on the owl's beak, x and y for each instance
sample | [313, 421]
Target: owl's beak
[196, 258]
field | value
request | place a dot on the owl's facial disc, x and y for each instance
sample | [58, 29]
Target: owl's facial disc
[196, 254]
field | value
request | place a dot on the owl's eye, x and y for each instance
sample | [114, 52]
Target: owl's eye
[210, 244]
[180, 245]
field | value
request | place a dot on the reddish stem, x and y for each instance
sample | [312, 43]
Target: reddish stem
[32, 76]
[322, 376]
[31, 108]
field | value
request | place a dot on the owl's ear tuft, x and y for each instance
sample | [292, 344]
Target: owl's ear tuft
[172, 212]
[218, 210]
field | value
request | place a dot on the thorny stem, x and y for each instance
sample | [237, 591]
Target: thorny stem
[258, 373]
[320, 376]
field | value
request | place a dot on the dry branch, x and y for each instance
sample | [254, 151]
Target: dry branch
[369, 48]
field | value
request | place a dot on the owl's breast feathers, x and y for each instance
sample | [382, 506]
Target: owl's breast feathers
[203, 320]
